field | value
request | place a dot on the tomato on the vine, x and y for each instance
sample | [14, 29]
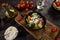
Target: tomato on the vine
[31, 5]
[18, 6]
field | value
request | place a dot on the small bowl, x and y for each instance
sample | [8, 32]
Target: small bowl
[40, 17]
[55, 6]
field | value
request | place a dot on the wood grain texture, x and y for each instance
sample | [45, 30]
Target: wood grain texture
[40, 33]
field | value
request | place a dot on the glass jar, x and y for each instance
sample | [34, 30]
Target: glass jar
[10, 11]
[41, 4]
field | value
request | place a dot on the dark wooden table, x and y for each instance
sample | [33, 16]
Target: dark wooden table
[52, 16]
[49, 15]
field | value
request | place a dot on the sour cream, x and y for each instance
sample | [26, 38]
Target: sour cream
[11, 33]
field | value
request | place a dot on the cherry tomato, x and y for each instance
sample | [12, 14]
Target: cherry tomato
[57, 39]
[22, 3]
[54, 29]
[31, 2]
[18, 19]
[18, 6]
[22, 6]
[27, 4]
[58, 3]
[27, 9]
[31, 5]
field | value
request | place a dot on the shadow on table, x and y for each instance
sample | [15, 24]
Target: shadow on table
[54, 14]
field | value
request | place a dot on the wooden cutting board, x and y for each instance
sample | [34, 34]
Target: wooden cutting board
[43, 34]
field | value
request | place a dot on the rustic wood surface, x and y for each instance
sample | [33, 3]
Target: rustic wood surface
[40, 33]
[47, 36]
